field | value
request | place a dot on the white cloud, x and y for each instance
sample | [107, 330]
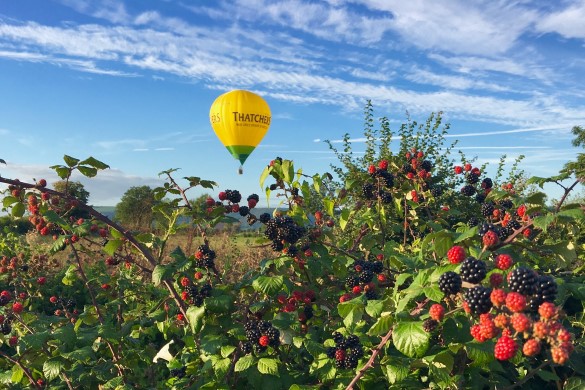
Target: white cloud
[567, 22]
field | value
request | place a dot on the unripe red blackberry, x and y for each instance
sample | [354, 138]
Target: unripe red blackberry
[503, 261]
[473, 270]
[490, 238]
[516, 302]
[456, 254]
[437, 311]
[478, 299]
[450, 283]
[505, 348]
[531, 347]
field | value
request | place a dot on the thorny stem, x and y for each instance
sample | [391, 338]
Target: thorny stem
[567, 191]
[24, 369]
[370, 363]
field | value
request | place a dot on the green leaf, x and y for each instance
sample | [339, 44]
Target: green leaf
[52, 368]
[351, 312]
[244, 363]
[7, 201]
[375, 307]
[94, 163]
[160, 273]
[17, 374]
[382, 326]
[287, 171]
[543, 221]
[62, 171]
[112, 246]
[219, 304]
[87, 171]
[397, 370]
[18, 210]
[480, 353]
[268, 366]
[536, 198]
[84, 354]
[571, 213]
[195, 317]
[411, 339]
[264, 175]
[468, 233]
[433, 293]
[329, 205]
[269, 285]
[70, 161]
[227, 350]
[574, 383]
[70, 276]
[344, 218]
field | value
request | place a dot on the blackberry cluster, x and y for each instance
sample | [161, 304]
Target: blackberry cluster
[205, 257]
[67, 303]
[178, 372]
[385, 197]
[427, 165]
[545, 290]
[256, 330]
[506, 204]
[368, 190]
[198, 295]
[472, 178]
[473, 270]
[523, 280]
[437, 191]
[385, 178]
[5, 328]
[347, 351]
[478, 299]
[450, 283]
[364, 272]
[283, 229]
[233, 196]
[468, 190]
[365, 265]
[429, 325]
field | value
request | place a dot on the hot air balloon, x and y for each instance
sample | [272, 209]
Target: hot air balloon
[240, 120]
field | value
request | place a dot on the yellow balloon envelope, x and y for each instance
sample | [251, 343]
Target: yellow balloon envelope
[240, 120]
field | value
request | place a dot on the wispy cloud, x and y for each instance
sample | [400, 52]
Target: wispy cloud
[567, 22]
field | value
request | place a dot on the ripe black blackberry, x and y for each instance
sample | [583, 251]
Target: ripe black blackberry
[178, 372]
[406, 168]
[487, 209]
[472, 178]
[506, 203]
[366, 276]
[385, 197]
[473, 270]
[473, 221]
[233, 196]
[338, 338]
[385, 178]
[479, 198]
[308, 310]
[273, 335]
[192, 291]
[376, 267]
[273, 187]
[340, 363]
[368, 190]
[277, 246]
[352, 341]
[350, 361]
[352, 281]
[69, 304]
[371, 294]
[450, 283]
[429, 325]
[522, 280]
[436, 191]
[247, 347]
[357, 350]
[5, 328]
[485, 227]
[427, 165]
[292, 251]
[4, 300]
[514, 225]
[331, 352]
[546, 288]
[478, 299]
[265, 217]
[244, 210]
[503, 233]
[253, 196]
[468, 190]
[263, 325]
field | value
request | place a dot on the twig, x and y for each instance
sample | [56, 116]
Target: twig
[24, 369]
[370, 363]
[528, 376]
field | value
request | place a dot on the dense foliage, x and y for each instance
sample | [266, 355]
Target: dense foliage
[404, 269]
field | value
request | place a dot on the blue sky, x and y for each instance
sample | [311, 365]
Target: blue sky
[131, 82]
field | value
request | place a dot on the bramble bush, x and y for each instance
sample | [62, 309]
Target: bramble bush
[407, 269]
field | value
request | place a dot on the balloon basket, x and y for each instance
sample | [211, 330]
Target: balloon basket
[240, 170]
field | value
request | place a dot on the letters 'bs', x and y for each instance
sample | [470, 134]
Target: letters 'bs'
[240, 120]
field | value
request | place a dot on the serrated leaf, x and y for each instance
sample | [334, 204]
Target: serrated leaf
[543, 221]
[574, 383]
[112, 246]
[269, 285]
[219, 304]
[268, 366]
[58, 245]
[18, 210]
[244, 363]
[571, 213]
[52, 368]
[63, 172]
[70, 161]
[480, 353]
[70, 276]
[468, 233]
[433, 293]
[159, 273]
[382, 326]
[536, 198]
[287, 171]
[195, 317]
[94, 163]
[396, 372]
[344, 218]
[87, 171]
[17, 374]
[227, 350]
[410, 338]
[351, 312]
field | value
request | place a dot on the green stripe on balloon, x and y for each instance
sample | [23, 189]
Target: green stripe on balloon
[240, 152]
